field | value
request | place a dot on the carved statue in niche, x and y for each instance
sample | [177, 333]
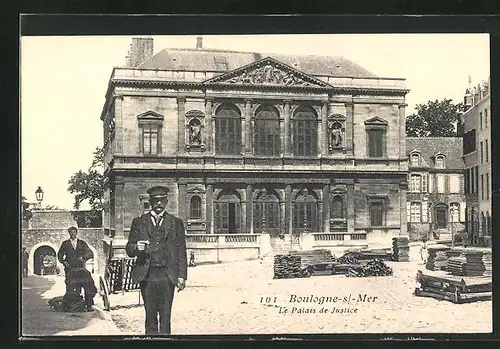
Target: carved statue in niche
[336, 135]
[195, 132]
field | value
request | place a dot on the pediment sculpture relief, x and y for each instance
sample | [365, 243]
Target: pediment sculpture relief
[268, 74]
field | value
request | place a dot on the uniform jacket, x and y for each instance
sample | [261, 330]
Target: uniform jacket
[176, 257]
[71, 255]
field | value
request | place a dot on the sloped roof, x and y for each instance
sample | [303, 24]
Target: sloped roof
[428, 147]
[204, 60]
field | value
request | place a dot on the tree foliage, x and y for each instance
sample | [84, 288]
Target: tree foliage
[25, 209]
[89, 186]
[434, 119]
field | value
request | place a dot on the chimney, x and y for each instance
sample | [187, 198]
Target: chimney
[140, 51]
[199, 43]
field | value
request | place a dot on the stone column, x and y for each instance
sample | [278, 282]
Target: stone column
[181, 202]
[402, 132]
[119, 240]
[324, 128]
[349, 128]
[181, 127]
[118, 137]
[248, 127]
[286, 135]
[208, 124]
[249, 215]
[210, 209]
[351, 212]
[326, 208]
[288, 209]
[402, 210]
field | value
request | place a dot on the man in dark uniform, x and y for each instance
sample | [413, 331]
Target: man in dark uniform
[158, 241]
[73, 254]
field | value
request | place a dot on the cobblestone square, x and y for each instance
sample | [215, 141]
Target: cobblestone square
[243, 298]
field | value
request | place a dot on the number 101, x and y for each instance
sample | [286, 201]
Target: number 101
[268, 299]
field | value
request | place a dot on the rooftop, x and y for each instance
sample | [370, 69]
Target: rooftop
[225, 60]
[428, 147]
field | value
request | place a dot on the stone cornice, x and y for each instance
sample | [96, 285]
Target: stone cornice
[192, 85]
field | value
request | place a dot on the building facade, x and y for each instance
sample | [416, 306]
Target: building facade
[476, 126]
[252, 143]
[436, 204]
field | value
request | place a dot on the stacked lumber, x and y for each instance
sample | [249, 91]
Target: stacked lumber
[457, 265]
[375, 267]
[287, 267]
[316, 262]
[474, 265]
[487, 263]
[437, 259]
[370, 254]
[453, 289]
[401, 249]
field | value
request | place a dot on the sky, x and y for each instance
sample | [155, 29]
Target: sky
[64, 81]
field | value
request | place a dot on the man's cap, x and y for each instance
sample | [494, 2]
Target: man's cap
[158, 192]
[72, 228]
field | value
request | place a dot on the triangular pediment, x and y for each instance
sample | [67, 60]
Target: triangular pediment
[150, 115]
[267, 72]
[376, 121]
[198, 191]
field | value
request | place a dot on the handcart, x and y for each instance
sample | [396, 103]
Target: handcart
[116, 278]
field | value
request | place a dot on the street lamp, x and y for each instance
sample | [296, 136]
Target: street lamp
[39, 196]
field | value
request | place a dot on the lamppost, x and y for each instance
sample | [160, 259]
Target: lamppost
[39, 196]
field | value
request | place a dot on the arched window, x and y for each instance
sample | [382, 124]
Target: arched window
[228, 130]
[228, 212]
[266, 208]
[195, 207]
[267, 131]
[440, 161]
[305, 212]
[441, 213]
[337, 208]
[415, 159]
[415, 212]
[305, 132]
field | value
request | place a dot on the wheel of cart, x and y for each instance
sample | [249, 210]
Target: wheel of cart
[117, 277]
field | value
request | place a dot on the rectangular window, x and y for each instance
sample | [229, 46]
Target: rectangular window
[472, 181]
[480, 120]
[469, 142]
[414, 159]
[487, 186]
[486, 149]
[482, 187]
[476, 176]
[375, 143]
[486, 118]
[481, 151]
[441, 181]
[415, 183]
[305, 138]
[376, 214]
[415, 212]
[150, 143]
[466, 180]
[229, 136]
[424, 183]
[455, 212]
[454, 183]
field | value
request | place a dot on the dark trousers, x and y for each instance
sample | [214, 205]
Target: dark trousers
[158, 293]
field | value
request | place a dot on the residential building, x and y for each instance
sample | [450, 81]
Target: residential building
[476, 126]
[436, 202]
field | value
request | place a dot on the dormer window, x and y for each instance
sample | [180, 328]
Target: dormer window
[414, 159]
[220, 63]
[440, 161]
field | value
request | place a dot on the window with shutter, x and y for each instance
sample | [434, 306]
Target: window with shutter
[425, 211]
[376, 214]
[415, 212]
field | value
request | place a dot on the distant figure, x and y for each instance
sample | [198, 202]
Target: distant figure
[73, 254]
[191, 260]
[24, 262]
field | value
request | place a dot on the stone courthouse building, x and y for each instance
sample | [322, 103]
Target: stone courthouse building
[251, 143]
